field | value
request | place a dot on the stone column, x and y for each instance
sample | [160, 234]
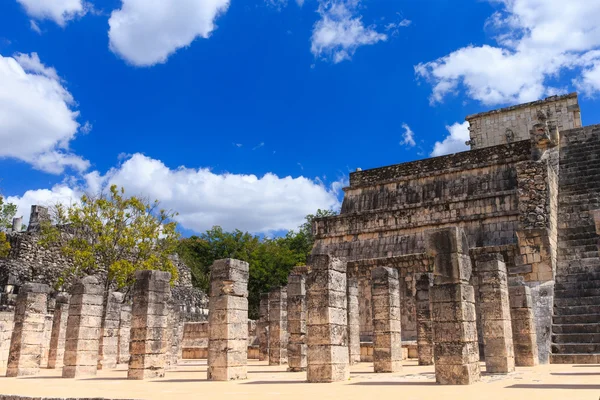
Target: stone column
[353, 321]
[83, 329]
[456, 349]
[7, 319]
[327, 322]
[523, 327]
[495, 313]
[26, 340]
[596, 217]
[174, 333]
[278, 326]
[124, 334]
[424, 323]
[109, 337]
[387, 340]
[148, 342]
[263, 327]
[59, 331]
[296, 319]
[228, 321]
[47, 334]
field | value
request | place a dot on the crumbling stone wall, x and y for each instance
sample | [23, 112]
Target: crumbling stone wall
[7, 322]
[511, 124]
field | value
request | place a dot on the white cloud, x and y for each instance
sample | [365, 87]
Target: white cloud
[408, 137]
[589, 82]
[37, 116]
[59, 11]
[203, 198]
[145, 32]
[35, 27]
[537, 41]
[340, 31]
[454, 142]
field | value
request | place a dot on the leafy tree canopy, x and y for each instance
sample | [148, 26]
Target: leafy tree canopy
[113, 234]
[7, 213]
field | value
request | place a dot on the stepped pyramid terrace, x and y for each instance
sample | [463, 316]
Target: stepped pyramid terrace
[446, 276]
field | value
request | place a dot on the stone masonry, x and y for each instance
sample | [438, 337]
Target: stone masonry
[523, 326]
[228, 321]
[109, 338]
[327, 320]
[494, 307]
[387, 340]
[124, 334]
[263, 327]
[148, 342]
[26, 341]
[296, 319]
[353, 321]
[7, 319]
[424, 323]
[278, 326]
[456, 350]
[56, 352]
[83, 329]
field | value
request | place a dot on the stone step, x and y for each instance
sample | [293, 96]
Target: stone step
[591, 284]
[575, 358]
[572, 267]
[579, 278]
[575, 348]
[577, 310]
[580, 338]
[576, 293]
[576, 301]
[576, 319]
[576, 328]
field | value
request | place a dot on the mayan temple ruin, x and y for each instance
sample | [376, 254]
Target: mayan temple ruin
[460, 267]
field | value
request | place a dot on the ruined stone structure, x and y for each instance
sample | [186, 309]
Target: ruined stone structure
[263, 327]
[353, 321]
[278, 326]
[327, 320]
[525, 190]
[109, 336]
[523, 327]
[296, 319]
[228, 320]
[387, 340]
[148, 342]
[26, 342]
[56, 352]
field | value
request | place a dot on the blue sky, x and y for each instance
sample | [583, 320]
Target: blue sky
[250, 114]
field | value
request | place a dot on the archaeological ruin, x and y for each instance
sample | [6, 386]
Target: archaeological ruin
[472, 264]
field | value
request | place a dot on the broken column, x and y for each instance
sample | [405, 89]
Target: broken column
[387, 341]
[523, 327]
[228, 320]
[124, 334]
[59, 331]
[327, 320]
[278, 326]
[148, 342]
[424, 323]
[296, 319]
[109, 337]
[83, 329]
[495, 313]
[353, 320]
[263, 327]
[26, 341]
[456, 350]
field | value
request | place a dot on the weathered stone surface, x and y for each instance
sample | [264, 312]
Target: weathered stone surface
[109, 335]
[296, 322]
[27, 336]
[6, 329]
[124, 334]
[149, 323]
[263, 327]
[424, 322]
[59, 331]
[228, 321]
[327, 326]
[523, 327]
[278, 326]
[83, 329]
[353, 321]
[387, 340]
[495, 313]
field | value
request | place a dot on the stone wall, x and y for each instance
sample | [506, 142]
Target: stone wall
[514, 123]
[7, 321]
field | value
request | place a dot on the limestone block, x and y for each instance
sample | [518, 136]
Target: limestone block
[278, 326]
[263, 327]
[449, 248]
[353, 321]
[296, 323]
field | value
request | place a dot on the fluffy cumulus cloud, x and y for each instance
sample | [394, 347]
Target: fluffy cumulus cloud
[537, 40]
[458, 135]
[59, 11]
[340, 31]
[145, 32]
[203, 198]
[37, 115]
[408, 137]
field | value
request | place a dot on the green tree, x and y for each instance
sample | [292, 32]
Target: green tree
[7, 213]
[115, 235]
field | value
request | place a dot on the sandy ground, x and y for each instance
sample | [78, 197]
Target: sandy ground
[188, 381]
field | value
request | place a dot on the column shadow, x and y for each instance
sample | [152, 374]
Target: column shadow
[565, 386]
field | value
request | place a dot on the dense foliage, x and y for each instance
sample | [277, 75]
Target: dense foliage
[270, 259]
[113, 234]
[7, 212]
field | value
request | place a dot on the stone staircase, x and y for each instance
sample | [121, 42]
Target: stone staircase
[576, 320]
